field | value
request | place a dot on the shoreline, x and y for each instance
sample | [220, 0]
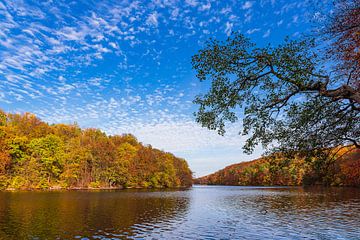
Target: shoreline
[277, 186]
[74, 189]
[52, 189]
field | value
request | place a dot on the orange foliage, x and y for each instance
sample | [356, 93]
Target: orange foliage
[282, 171]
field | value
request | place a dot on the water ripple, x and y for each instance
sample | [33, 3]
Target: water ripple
[198, 213]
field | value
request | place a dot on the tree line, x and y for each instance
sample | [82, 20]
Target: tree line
[37, 155]
[280, 170]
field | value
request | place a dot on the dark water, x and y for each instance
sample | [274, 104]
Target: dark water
[197, 213]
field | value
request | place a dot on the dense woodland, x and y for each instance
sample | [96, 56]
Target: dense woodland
[278, 170]
[36, 155]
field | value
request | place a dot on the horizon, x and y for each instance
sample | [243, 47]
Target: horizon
[126, 67]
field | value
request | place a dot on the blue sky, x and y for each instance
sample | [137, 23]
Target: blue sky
[124, 66]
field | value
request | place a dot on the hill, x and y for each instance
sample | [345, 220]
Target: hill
[342, 170]
[36, 155]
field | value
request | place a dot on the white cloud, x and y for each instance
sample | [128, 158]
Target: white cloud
[114, 45]
[182, 136]
[192, 3]
[96, 81]
[226, 10]
[267, 33]
[248, 16]
[72, 34]
[247, 5]
[253, 30]
[65, 89]
[205, 7]
[228, 28]
[175, 13]
[295, 18]
[61, 78]
[152, 19]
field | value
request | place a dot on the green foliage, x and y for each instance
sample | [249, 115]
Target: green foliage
[94, 184]
[18, 148]
[34, 155]
[48, 151]
[4, 182]
[43, 183]
[2, 118]
[18, 182]
[289, 101]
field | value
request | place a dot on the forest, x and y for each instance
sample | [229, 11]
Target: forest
[343, 169]
[38, 155]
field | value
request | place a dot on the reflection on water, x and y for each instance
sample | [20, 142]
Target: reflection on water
[52, 215]
[198, 213]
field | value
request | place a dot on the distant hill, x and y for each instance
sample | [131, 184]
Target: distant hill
[282, 171]
[36, 155]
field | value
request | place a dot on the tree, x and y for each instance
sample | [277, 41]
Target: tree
[118, 173]
[287, 97]
[34, 154]
[342, 29]
[48, 153]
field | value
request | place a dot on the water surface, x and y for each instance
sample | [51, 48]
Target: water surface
[202, 212]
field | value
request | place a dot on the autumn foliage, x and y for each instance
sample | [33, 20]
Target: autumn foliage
[36, 155]
[343, 170]
[343, 30]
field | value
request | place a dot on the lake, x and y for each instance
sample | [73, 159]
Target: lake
[202, 212]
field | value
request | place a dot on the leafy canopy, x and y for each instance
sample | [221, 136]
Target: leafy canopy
[285, 95]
